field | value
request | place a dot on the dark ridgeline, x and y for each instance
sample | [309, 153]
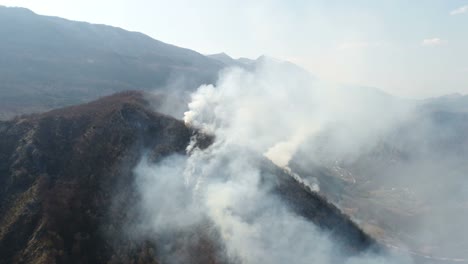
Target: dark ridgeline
[61, 170]
[67, 186]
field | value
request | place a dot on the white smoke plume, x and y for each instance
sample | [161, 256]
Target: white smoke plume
[269, 111]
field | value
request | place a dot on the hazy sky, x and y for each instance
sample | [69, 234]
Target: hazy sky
[406, 47]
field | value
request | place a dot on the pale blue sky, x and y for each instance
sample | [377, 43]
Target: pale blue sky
[411, 48]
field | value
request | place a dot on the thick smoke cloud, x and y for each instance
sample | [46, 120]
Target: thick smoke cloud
[272, 111]
[419, 172]
[160, 184]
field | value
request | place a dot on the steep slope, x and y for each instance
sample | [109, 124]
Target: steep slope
[67, 187]
[59, 173]
[49, 62]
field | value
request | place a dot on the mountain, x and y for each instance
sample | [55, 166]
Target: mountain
[49, 62]
[224, 58]
[245, 61]
[68, 189]
[67, 185]
[59, 174]
[448, 103]
[229, 61]
[249, 64]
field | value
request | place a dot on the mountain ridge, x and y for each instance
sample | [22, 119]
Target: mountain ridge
[49, 62]
[67, 192]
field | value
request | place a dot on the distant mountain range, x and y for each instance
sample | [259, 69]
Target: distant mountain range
[227, 60]
[448, 103]
[48, 62]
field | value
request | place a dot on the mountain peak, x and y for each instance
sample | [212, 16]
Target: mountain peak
[223, 58]
[16, 8]
[220, 55]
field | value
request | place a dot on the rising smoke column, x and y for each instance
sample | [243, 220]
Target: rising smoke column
[269, 111]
